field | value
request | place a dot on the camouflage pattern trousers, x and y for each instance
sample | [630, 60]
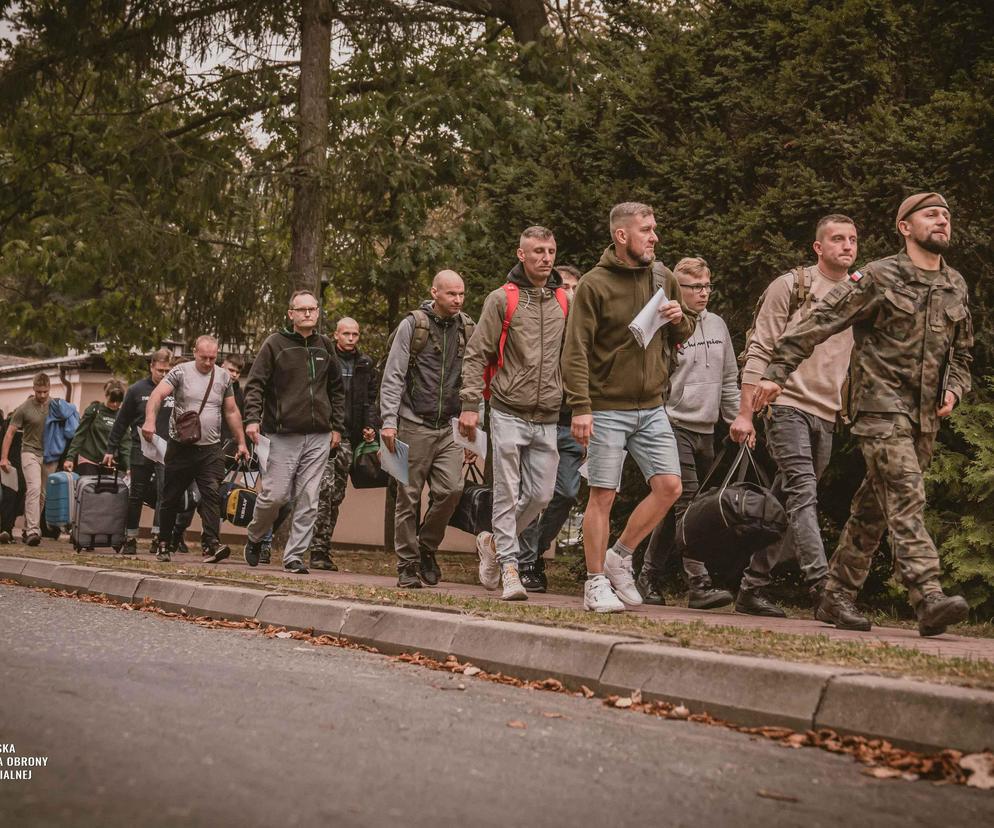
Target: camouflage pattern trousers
[330, 497]
[891, 498]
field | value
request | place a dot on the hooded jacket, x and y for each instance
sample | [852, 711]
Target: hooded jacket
[529, 385]
[60, 427]
[604, 367]
[91, 439]
[704, 384]
[295, 386]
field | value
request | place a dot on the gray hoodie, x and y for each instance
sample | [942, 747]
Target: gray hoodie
[705, 382]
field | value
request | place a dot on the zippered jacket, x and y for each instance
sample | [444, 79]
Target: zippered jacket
[295, 386]
[91, 438]
[129, 418]
[60, 427]
[529, 385]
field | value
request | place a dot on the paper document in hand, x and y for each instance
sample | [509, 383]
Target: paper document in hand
[478, 445]
[8, 477]
[154, 449]
[262, 452]
[648, 321]
[395, 463]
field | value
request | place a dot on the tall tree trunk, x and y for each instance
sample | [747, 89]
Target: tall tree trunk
[307, 219]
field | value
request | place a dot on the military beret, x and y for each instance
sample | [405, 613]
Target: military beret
[916, 202]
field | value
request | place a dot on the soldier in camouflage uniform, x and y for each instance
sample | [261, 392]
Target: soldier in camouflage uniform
[361, 421]
[910, 367]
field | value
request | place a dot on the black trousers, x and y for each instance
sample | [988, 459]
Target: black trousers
[141, 480]
[185, 465]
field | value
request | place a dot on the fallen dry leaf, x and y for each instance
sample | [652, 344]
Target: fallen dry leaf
[981, 768]
[587, 692]
[882, 773]
[679, 712]
[517, 724]
[779, 797]
[624, 701]
[637, 696]
[471, 671]
[553, 715]
[284, 634]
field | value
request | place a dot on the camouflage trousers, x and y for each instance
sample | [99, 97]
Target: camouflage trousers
[330, 497]
[891, 498]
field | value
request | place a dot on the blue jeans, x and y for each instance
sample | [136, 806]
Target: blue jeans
[543, 530]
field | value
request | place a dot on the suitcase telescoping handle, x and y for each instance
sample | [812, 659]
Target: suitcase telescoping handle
[104, 487]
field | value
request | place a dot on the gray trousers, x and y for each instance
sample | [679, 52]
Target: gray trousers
[525, 458]
[435, 459]
[801, 445]
[533, 542]
[696, 453]
[296, 463]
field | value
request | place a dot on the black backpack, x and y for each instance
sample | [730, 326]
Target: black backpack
[724, 525]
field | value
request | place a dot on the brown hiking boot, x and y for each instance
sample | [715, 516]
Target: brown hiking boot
[938, 610]
[838, 609]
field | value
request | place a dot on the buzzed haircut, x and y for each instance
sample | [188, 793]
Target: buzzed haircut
[620, 213]
[204, 339]
[162, 355]
[831, 218]
[571, 270]
[693, 266]
[236, 361]
[41, 380]
[302, 292]
[442, 275]
[536, 231]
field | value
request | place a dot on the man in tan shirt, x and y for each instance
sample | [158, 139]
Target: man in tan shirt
[799, 427]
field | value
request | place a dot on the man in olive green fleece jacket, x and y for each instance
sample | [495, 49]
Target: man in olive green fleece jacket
[616, 389]
[527, 393]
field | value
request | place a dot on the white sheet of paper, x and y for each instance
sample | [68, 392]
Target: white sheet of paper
[477, 446]
[648, 320]
[154, 450]
[262, 452]
[583, 469]
[8, 478]
[395, 463]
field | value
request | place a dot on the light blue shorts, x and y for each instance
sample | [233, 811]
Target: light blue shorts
[645, 434]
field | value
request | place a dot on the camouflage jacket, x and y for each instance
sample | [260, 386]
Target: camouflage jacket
[906, 329]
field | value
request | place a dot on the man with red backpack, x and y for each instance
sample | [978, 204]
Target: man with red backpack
[513, 357]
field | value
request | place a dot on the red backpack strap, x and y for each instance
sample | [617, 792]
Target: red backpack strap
[491, 369]
[563, 301]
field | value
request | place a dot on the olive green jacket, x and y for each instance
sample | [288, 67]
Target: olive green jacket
[907, 328]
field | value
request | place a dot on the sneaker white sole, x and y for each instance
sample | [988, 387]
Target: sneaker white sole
[489, 571]
[515, 595]
[603, 608]
[621, 582]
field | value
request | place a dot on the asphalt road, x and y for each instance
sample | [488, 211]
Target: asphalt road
[152, 721]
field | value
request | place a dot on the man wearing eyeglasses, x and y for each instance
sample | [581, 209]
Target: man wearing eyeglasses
[703, 387]
[799, 427]
[295, 395]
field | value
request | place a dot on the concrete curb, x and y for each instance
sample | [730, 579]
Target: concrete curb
[741, 689]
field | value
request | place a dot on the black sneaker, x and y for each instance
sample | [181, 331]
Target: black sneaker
[33, 540]
[407, 576]
[429, 571]
[324, 564]
[183, 549]
[5, 537]
[265, 554]
[164, 554]
[704, 595]
[533, 580]
[753, 602]
[648, 589]
[839, 609]
[130, 547]
[296, 567]
[252, 552]
[937, 611]
[216, 554]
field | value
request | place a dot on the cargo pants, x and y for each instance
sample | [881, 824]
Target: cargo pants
[334, 481]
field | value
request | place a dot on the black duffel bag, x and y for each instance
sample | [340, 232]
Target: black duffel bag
[723, 526]
[474, 514]
[366, 472]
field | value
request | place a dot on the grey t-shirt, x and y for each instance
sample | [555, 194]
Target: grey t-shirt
[189, 386]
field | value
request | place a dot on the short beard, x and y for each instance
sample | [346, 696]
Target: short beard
[640, 257]
[933, 245]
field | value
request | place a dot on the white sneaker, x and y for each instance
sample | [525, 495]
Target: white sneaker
[489, 568]
[513, 590]
[619, 572]
[599, 597]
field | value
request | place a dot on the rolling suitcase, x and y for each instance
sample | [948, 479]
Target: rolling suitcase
[101, 513]
[60, 499]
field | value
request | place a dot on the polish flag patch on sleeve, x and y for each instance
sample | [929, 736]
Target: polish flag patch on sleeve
[855, 276]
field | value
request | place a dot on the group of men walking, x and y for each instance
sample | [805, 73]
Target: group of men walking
[886, 347]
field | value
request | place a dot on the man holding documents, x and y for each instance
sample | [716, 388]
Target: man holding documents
[294, 394]
[419, 395]
[615, 382]
[911, 360]
[525, 393]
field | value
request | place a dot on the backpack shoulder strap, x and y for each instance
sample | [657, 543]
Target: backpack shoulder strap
[801, 292]
[560, 295]
[419, 336]
[513, 295]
